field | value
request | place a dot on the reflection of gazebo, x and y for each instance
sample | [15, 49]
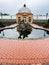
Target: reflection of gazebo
[24, 14]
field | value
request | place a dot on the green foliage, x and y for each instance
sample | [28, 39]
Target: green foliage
[47, 24]
[1, 24]
[43, 23]
[4, 23]
[40, 23]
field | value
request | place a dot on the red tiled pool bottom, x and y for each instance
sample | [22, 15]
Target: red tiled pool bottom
[24, 51]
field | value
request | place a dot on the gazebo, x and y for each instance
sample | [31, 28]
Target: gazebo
[25, 14]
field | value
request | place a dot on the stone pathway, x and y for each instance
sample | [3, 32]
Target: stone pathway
[24, 51]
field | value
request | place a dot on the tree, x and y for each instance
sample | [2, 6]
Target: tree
[1, 15]
[46, 15]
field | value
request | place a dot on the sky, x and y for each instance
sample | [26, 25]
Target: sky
[39, 7]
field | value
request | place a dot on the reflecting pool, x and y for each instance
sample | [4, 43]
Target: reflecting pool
[13, 34]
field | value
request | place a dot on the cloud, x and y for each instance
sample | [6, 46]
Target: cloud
[38, 6]
[12, 6]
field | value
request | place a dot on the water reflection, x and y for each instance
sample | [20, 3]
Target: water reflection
[47, 32]
[13, 34]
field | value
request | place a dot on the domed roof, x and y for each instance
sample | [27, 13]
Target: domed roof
[24, 9]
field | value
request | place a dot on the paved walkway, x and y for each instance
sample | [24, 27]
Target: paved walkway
[24, 51]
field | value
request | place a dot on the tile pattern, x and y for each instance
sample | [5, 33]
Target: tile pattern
[24, 51]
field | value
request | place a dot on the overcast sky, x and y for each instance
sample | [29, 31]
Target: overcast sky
[36, 6]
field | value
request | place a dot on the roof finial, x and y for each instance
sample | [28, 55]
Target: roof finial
[24, 5]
